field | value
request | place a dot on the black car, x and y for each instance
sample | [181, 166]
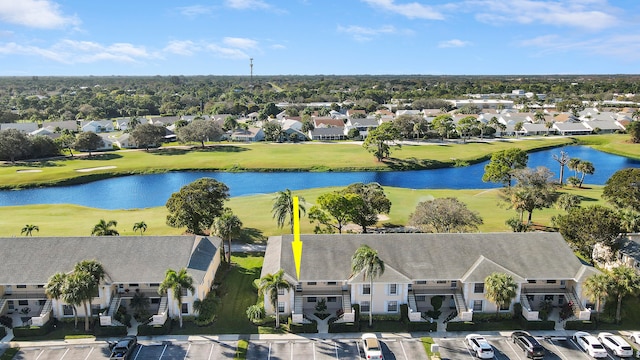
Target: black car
[528, 344]
[122, 349]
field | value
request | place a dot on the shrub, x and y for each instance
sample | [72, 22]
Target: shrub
[206, 309]
[404, 312]
[30, 331]
[255, 313]
[461, 326]
[6, 321]
[414, 326]
[580, 325]
[3, 332]
[344, 327]
[110, 331]
[302, 328]
[436, 302]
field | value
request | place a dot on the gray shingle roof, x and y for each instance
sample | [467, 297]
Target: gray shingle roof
[129, 259]
[430, 256]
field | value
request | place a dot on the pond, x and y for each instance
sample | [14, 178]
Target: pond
[141, 191]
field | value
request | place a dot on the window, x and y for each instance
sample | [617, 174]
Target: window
[154, 285]
[477, 305]
[280, 291]
[393, 289]
[392, 306]
[478, 288]
[40, 286]
[332, 299]
[311, 283]
[133, 285]
[23, 302]
[281, 307]
[364, 306]
[454, 284]
[551, 281]
[185, 308]
[67, 310]
[421, 298]
[155, 301]
[366, 289]
[332, 283]
[184, 292]
[42, 302]
[441, 282]
[21, 286]
[421, 282]
[312, 299]
[504, 307]
[531, 281]
[548, 298]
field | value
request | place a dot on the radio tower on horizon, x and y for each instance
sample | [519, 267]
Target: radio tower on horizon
[251, 73]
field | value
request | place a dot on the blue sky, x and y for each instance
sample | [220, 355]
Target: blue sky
[307, 37]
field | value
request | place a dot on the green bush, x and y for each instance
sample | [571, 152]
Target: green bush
[414, 326]
[491, 317]
[461, 326]
[579, 325]
[344, 327]
[110, 331]
[29, 331]
[538, 325]
[436, 301]
[303, 328]
[147, 330]
[3, 332]
[356, 308]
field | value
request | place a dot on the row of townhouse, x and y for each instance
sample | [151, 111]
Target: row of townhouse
[421, 266]
[133, 264]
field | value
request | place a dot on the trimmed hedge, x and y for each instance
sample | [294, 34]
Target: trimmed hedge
[150, 330]
[580, 325]
[404, 312]
[3, 332]
[110, 331]
[303, 328]
[29, 331]
[462, 326]
[344, 327]
[538, 325]
[422, 326]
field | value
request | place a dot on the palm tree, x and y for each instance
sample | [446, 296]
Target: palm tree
[76, 288]
[539, 116]
[142, 226]
[518, 127]
[283, 208]
[103, 228]
[548, 125]
[597, 287]
[28, 229]
[586, 168]
[629, 220]
[227, 226]
[140, 305]
[636, 114]
[54, 289]
[573, 165]
[270, 285]
[366, 260]
[500, 288]
[94, 273]
[177, 282]
[623, 281]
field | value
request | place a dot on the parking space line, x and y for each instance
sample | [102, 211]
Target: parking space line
[65, 353]
[335, 346]
[404, 352]
[187, 352]
[41, 352]
[313, 346]
[269, 358]
[466, 346]
[580, 349]
[558, 350]
[211, 351]
[137, 353]
[163, 350]
[512, 348]
[291, 351]
[358, 347]
[90, 351]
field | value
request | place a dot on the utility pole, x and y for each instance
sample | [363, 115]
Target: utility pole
[251, 67]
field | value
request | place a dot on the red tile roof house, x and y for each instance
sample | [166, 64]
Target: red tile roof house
[421, 266]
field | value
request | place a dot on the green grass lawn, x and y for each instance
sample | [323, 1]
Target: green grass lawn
[259, 156]
[255, 213]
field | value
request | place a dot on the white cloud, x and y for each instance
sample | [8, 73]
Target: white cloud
[227, 52]
[586, 14]
[278, 47]
[453, 43]
[361, 33]
[241, 43]
[181, 47]
[624, 48]
[247, 4]
[41, 14]
[195, 10]
[73, 52]
[413, 10]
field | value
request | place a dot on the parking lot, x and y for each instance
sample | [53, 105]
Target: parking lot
[393, 349]
[317, 349]
[504, 348]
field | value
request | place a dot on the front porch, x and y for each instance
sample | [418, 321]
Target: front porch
[331, 302]
[454, 306]
[535, 300]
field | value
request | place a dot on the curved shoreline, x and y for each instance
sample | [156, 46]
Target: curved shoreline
[390, 165]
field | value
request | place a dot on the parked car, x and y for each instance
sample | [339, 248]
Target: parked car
[528, 344]
[480, 346]
[616, 344]
[635, 337]
[122, 349]
[590, 344]
[371, 346]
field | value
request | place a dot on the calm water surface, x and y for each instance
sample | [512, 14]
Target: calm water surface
[141, 191]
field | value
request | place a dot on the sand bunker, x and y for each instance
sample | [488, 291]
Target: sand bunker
[96, 168]
[29, 171]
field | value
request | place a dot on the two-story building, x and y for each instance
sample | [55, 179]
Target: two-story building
[421, 266]
[133, 264]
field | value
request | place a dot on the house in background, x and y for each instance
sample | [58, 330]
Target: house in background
[97, 126]
[26, 127]
[252, 134]
[628, 253]
[132, 264]
[421, 266]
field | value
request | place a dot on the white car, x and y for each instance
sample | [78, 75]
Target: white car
[635, 337]
[371, 346]
[480, 346]
[616, 344]
[590, 344]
